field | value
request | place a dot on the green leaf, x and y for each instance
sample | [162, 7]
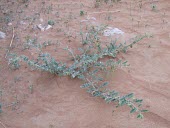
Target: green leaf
[144, 110]
[104, 84]
[122, 102]
[133, 110]
[85, 85]
[129, 95]
[139, 105]
[81, 77]
[124, 63]
[140, 116]
[100, 79]
[108, 100]
[97, 93]
[114, 93]
[131, 46]
[138, 100]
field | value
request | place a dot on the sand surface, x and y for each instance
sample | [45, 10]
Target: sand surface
[59, 102]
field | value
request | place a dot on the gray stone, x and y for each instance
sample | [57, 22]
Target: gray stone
[2, 35]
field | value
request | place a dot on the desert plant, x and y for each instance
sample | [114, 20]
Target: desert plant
[93, 60]
[81, 13]
[51, 22]
[153, 6]
[99, 2]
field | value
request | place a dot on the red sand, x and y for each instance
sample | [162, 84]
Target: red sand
[60, 102]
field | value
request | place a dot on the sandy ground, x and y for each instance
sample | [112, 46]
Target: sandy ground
[59, 102]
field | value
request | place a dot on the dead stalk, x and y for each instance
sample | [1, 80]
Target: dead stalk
[11, 42]
[3, 124]
[104, 12]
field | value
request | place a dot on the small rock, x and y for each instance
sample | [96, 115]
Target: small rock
[112, 31]
[22, 22]
[41, 20]
[91, 18]
[34, 27]
[9, 24]
[2, 35]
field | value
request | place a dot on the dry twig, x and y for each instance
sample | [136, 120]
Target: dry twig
[10, 43]
[104, 12]
[3, 124]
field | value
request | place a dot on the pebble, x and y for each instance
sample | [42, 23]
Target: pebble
[22, 22]
[2, 35]
[9, 24]
[41, 20]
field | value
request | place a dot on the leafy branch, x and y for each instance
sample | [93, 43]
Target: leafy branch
[88, 65]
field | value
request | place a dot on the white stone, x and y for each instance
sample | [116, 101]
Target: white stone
[41, 20]
[112, 31]
[22, 22]
[9, 24]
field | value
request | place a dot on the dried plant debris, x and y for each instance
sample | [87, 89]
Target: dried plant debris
[44, 27]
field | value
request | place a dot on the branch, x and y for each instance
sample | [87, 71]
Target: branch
[3, 124]
[10, 43]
